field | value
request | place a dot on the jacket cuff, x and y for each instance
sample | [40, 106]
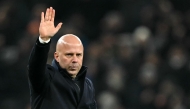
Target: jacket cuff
[38, 43]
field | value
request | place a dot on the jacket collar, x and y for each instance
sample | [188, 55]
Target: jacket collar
[81, 74]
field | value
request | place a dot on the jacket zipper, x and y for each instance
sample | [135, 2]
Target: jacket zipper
[77, 86]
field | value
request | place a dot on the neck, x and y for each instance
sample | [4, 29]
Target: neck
[73, 76]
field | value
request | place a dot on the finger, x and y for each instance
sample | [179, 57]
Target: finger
[58, 27]
[50, 13]
[53, 15]
[47, 14]
[42, 17]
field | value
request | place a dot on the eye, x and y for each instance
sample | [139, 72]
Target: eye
[69, 54]
[78, 55]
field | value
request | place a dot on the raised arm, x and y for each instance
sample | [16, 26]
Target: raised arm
[39, 54]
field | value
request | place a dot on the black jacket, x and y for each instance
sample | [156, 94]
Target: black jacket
[52, 88]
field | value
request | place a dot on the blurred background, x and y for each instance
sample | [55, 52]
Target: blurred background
[137, 51]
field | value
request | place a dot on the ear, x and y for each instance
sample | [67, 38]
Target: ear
[56, 56]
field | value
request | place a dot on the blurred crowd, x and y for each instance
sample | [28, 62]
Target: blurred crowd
[137, 51]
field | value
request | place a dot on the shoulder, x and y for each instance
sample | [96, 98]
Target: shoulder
[88, 81]
[49, 67]
[50, 70]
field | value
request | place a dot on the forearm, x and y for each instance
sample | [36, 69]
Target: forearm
[37, 63]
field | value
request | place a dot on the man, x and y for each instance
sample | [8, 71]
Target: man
[62, 85]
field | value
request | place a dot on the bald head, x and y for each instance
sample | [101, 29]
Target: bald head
[69, 54]
[68, 39]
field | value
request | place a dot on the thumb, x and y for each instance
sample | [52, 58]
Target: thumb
[58, 27]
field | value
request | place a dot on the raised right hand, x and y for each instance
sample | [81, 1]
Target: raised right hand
[47, 28]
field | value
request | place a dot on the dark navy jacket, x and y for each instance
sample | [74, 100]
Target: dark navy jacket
[52, 88]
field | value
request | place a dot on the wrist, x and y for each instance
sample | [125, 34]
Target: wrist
[44, 40]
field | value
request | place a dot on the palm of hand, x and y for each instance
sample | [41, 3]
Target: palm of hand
[47, 28]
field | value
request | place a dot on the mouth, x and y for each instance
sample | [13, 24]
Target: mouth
[73, 68]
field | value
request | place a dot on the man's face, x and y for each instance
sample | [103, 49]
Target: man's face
[70, 57]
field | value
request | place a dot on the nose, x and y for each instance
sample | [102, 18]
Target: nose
[75, 59]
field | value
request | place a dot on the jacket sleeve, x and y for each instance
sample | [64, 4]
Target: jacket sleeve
[37, 66]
